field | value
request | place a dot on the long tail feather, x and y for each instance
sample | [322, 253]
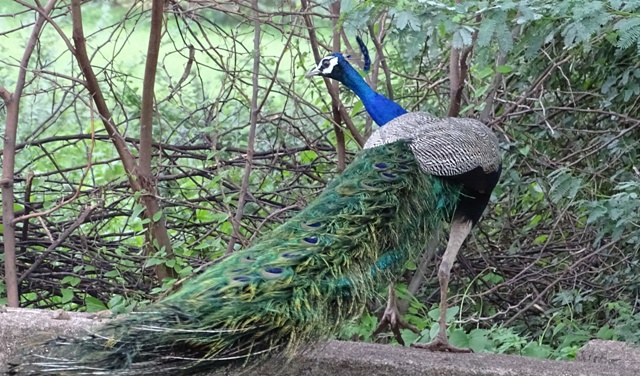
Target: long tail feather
[298, 284]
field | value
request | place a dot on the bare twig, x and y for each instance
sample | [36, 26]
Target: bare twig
[57, 242]
[12, 102]
[255, 111]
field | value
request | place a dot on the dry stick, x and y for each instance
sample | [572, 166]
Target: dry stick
[83, 216]
[12, 102]
[383, 61]
[488, 102]
[557, 280]
[146, 111]
[185, 74]
[276, 68]
[138, 184]
[46, 229]
[458, 69]
[252, 131]
[336, 104]
[27, 209]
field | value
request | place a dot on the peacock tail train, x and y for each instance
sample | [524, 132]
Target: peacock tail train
[298, 284]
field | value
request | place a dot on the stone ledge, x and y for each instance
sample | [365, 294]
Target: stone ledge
[21, 326]
[610, 352]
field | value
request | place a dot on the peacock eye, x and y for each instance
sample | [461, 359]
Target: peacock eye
[325, 64]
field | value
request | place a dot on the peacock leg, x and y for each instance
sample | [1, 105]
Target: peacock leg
[459, 231]
[393, 319]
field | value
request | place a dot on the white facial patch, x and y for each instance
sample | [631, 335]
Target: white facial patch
[325, 66]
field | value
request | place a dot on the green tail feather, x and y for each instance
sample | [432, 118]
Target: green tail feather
[299, 283]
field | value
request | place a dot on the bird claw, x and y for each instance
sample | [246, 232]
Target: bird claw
[441, 345]
[392, 319]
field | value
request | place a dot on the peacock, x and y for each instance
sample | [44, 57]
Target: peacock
[477, 181]
[304, 280]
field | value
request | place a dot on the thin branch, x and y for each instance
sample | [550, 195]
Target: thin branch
[380, 56]
[8, 160]
[81, 219]
[255, 111]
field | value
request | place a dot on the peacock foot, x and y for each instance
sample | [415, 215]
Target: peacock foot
[392, 319]
[441, 344]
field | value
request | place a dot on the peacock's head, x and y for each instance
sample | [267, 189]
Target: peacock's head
[332, 66]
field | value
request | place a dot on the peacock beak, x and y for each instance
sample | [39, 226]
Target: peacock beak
[314, 72]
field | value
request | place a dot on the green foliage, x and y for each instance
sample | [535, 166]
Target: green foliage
[616, 216]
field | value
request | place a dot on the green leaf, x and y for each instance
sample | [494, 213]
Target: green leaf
[115, 301]
[434, 314]
[459, 338]
[505, 40]
[408, 336]
[596, 213]
[357, 107]
[153, 262]
[504, 69]
[535, 350]
[433, 332]
[478, 340]
[452, 312]
[67, 295]
[137, 209]
[93, 304]
[112, 273]
[219, 217]
[462, 37]
[606, 333]
[404, 19]
[157, 216]
[485, 32]
[410, 265]
[540, 239]
[70, 280]
[484, 72]
[308, 156]
[628, 31]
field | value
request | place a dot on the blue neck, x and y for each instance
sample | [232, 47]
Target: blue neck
[380, 108]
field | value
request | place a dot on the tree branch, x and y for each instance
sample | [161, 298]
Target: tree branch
[83, 217]
[138, 181]
[12, 102]
[255, 111]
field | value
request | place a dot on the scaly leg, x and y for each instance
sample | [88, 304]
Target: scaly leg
[459, 231]
[393, 318]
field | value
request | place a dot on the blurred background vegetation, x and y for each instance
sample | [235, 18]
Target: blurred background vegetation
[553, 264]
